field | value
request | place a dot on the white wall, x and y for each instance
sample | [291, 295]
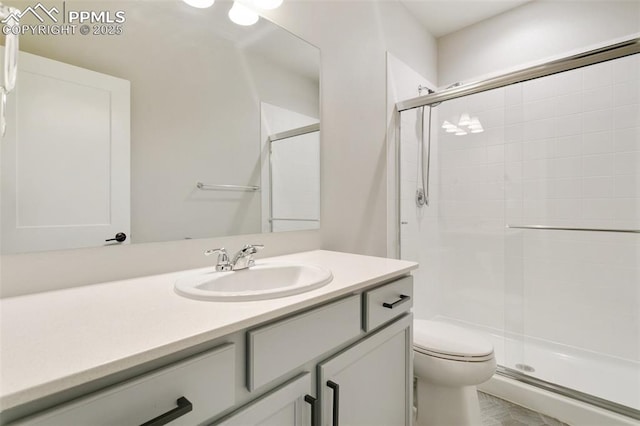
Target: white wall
[353, 38]
[530, 34]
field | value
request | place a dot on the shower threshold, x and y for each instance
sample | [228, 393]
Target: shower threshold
[568, 392]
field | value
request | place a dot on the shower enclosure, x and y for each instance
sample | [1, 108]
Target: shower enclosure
[532, 230]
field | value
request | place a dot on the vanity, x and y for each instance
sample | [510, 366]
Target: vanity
[135, 352]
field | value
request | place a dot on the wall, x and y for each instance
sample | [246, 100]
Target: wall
[529, 34]
[353, 38]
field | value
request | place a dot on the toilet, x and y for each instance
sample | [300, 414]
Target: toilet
[449, 361]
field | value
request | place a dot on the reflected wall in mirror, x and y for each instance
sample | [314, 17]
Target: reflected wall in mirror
[111, 133]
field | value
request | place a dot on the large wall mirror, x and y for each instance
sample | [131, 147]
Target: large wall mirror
[179, 125]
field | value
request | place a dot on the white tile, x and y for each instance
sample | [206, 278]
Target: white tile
[513, 133]
[596, 99]
[538, 110]
[494, 173]
[491, 117]
[495, 154]
[566, 209]
[568, 146]
[512, 171]
[535, 189]
[514, 114]
[567, 82]
[513, 95]
[568, 125]
[568, 104]
[597, 165]
[627, 163]
[598, 208]
[627, 68]
[537, 149]
[598, 187]
[627, 186]
[627, 116]
[565, 188]
[597, 121]
[565, 167]
[597, 75]
[540, 129]
[513, 152]
[535, 169]
[627, 209]
[492, 136]
[541, 88]
[627, 139]
[597, 143]
[626, 93]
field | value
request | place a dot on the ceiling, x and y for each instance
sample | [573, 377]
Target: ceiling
[442, 17]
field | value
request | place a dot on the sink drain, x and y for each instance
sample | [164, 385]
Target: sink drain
[525, 367]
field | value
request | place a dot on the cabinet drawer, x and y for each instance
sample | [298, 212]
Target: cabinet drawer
[279, 348]
[206, 381]
[384, 303]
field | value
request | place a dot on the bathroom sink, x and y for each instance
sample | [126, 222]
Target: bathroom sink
[266, 280]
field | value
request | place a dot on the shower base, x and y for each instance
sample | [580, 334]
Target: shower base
[598, 378]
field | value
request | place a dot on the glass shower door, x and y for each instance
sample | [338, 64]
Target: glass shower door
[572, 266]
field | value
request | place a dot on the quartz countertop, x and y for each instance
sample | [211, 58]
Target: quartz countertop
[54, 341]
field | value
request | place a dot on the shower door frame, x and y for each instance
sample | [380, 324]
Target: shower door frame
[591, 57]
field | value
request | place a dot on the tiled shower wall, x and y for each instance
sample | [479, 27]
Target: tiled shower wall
[563, 150]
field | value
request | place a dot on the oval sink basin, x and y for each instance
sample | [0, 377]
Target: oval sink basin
[267, 280]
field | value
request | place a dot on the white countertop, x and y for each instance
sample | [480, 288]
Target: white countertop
[53, 341]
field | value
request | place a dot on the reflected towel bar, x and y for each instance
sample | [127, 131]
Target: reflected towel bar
[295, 220]
[208, 187]
[560, 228]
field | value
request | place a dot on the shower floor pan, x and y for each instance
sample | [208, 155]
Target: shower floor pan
[603, 377]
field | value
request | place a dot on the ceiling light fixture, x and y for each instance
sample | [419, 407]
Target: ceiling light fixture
[200, 4]
[242, 15]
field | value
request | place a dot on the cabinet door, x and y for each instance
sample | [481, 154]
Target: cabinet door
[371, 382]
[287, 405]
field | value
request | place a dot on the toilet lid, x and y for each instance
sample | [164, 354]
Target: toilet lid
[448, 339]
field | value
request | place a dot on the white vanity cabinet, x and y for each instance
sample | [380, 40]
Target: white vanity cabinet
[344, 362]
[185, 393]
[288, 405]
[370, 383]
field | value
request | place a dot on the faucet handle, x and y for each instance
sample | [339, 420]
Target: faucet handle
[223, 259]
[252, 248]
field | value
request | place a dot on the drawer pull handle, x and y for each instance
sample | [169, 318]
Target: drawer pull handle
[184, 406]
[336, 401]
[313, 402]
[403, 298]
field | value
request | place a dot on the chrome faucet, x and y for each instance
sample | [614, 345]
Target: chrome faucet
[243, 259]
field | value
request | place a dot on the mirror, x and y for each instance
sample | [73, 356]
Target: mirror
[173, 124]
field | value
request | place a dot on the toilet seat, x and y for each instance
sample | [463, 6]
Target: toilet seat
[448, 341]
